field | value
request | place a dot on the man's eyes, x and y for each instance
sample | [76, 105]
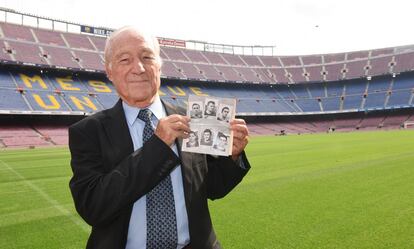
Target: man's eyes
[123, 60]
[149, 57]
[144, 59]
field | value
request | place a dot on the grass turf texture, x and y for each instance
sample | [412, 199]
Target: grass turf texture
[345, 190]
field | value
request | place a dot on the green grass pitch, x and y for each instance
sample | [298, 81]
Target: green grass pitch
[333, 191]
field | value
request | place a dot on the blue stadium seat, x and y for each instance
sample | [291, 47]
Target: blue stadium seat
[6, 81]
[317, 90]
[331, 104]
[399, 99]
[299, 91]
[12, 100]
[32, 80]
[352, 102]
[375, 100]
[82, 102]
[335, 89]
[355, 87]
[308, 105]
[107, 100]
[379, 85]
[404, 82]
[93, 92]
[45, 101]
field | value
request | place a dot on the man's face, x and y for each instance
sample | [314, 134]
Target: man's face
[206, 135]
[196, 107]
[223, 141]
[225, 112]
[192, 137]
[134, 68]
[210, 107]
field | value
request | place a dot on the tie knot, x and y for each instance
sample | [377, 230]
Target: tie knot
[145, 115]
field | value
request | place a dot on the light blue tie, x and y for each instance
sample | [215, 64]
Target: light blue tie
[161, 220]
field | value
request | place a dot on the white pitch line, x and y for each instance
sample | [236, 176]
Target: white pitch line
[49, 199]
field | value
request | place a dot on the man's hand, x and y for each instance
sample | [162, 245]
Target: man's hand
[172, 127]
[240, 136]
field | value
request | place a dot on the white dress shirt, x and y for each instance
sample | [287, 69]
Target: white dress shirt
[137, 232]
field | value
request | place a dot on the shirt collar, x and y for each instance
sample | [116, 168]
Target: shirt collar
[131, 112]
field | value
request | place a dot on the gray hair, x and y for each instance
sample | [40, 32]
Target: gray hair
[145, 35]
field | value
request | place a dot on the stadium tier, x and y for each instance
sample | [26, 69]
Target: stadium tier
[47, 73]
[34, 46]
[35, 90]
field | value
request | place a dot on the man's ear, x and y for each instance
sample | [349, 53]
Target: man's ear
[108, 70]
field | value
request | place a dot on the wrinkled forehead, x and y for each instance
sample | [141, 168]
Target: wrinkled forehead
[130, 35]
[136, 36]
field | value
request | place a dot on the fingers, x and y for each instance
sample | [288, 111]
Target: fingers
[173, 127]
[178, 123]
[239, 128]
[240, 136]
[237, 121]
[175, 118]
[177, 126]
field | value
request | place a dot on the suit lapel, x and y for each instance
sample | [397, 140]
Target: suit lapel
[186, 158]
[117, 130]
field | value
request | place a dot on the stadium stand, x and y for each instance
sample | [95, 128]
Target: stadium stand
[37, 46]
[17, 32]
[49, 37]
[380, 66]
[53, 73]
[76, 91]
[61, 57]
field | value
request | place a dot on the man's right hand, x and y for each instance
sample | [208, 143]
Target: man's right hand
[172, 127]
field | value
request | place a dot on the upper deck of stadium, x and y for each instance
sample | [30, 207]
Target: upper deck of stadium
[28, 45]
[59, 72]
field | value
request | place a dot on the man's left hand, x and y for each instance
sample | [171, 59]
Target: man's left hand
[240, 137]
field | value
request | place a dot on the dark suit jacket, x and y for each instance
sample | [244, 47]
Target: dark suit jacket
[109, 176]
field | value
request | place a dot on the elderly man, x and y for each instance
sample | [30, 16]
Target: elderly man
[130, 181]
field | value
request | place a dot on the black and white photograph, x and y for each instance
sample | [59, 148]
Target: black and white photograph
[210, 110]
[221, 142]
[210, 125]
[207, 137]
[196, 109]
[224, 113]
[193, 140]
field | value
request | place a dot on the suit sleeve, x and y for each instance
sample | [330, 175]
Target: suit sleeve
[100, 190]
[224, 174]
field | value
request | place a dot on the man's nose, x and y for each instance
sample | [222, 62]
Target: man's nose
[138, 67]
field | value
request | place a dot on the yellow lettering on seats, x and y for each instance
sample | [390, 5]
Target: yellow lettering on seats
[54, 103]
[197, 91]
[28, 81]
[99, 86]
[180, 91]
[80, 104]
[161, 93]
[66, 85]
